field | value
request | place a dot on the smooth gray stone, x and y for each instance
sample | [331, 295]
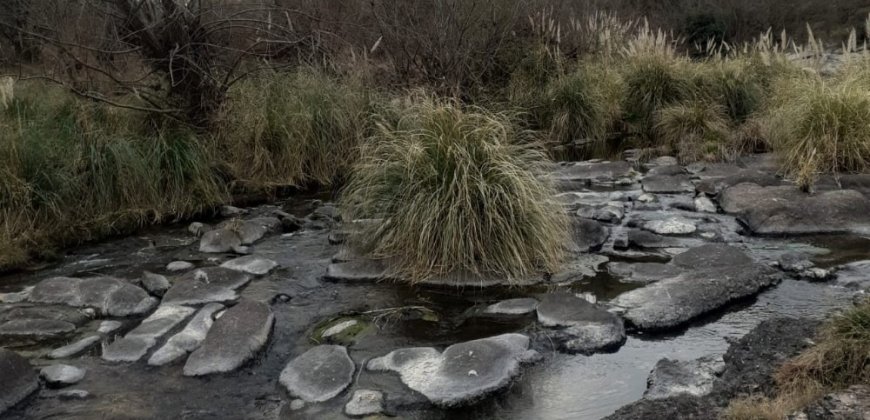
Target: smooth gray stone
[18, 378]
[580, 326]
[62, 375]
[319, 374]
[108, 295]
[137, 342]
[219, 241]
[107, 327]
[642, 272]
[179, 266]
[518, 306]
[365, 402]
[73, 349]
[189, 339]
[155, 284]
[587, 235]
[671, 226]
[581, 174]
[251, 264]
[206, 285]
[673, 377]
[233, 339]
[38, 328]
[668, 184]
[464, 372]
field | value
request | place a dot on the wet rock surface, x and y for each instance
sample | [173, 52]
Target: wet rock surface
[674, 377]
[206, 285]
[61, 375]
[319, 374]
[110, 296]
[19, 379]
[464, 372]
[580, 326]
[233, 339]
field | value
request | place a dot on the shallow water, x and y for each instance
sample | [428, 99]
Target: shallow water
[560, 386]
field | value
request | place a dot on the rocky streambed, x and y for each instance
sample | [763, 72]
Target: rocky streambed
[685, 287]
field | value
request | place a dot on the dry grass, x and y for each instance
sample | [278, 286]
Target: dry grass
[695, 130]
[458, 192]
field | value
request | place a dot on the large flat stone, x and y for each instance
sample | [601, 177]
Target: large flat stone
[674, 377]
[668, 184]
[587, 235]
[108, 295]
[189, 339]
[17, 377]
[74, 348]
[579, 326]
[464, 372]
[206, 285]
[319, 374]
[788, 211]
[137, 342]
[233, 339]
[676, 300]
[581, 174]
[35, 328]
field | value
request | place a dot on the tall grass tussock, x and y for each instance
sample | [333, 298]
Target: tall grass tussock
[458, 191]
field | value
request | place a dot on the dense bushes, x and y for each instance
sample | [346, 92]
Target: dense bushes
[458, 192]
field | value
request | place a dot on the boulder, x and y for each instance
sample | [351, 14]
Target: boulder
[788, 211]
[108, 295]
[365, 402]
[233, 339]
[155, 284]
[461, 374]
[62, 375]
[676, 300]
[673, 377]
[251, 264]
[18, 378]
[189, 339]
[668, 184]
[137, 342]
[705, 205]
[319, 374]
[580, 326]
[219, 240]
[206, 285]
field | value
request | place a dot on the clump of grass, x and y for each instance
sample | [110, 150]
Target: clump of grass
[820, 126]
[458, 191]
[696, 130]
[651, 84]
[840, 358]
[734, 82]
[294, 128]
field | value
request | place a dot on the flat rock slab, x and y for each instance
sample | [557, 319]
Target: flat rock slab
[75, 348]
[189, 339]
[18, 378]
[251, 264]
[674, 377]
[587, 235]
[219, 241]
[233, 339]
[855, 275]
[715, 181]
[668, 184]
[35, 328]
[674, 301]
[365, 402]
[642, 272]
[579, 267]
[464, 372]
[206, 285]
[671, 226]
[712, 255]
[62, 375]
[518, 306]
[108, 295]
[319, 374]
[137, 342]
[788, 211]
[581, 174]
[638, 238]
[581, 327]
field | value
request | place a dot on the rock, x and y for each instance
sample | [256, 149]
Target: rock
[250, 231]
[16, 297]
[682, 407]
[219, 240]
[705, 205]
[581, 174]
[852, 403]
[464, 372]
[356, 271]
[206, 285]
[198, 229]
[73, 349]
[62, 375]
[108, 295]
[668, 184]
[518, 306]
[319, 374]
[338, 328]
[326, 212]
[787, 211]
[645, 239]
[583, 327]
[18, 378]
[587, 235]
[137, 342]
[189, 339]
[37, 328]
[297, 405]
[579, 267]
[666, 170]
[663, 161]
[794, 262]
[155, 284]
[713, 182]
[855, 275]
[365, 402]
[703, 288]
[291, 224]
[642, 272]
[674, 377]
[107, 327]
[233, 339]
[712, 255]
[646, 198]
[671, 226]
[251, 264]
[73, 394]
[179, 266]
